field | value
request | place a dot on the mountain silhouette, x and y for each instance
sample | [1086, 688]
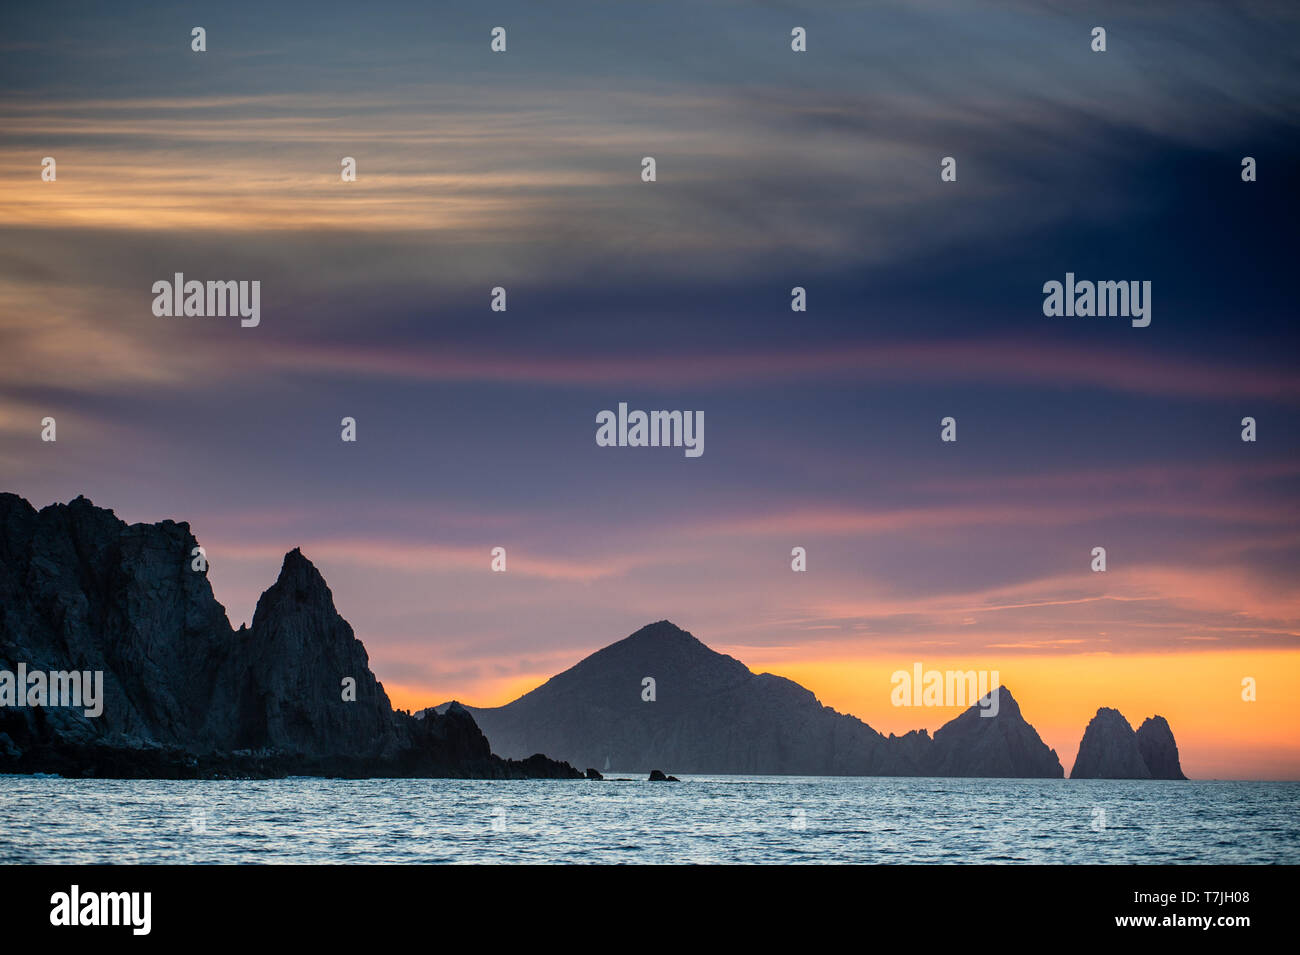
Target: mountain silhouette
[185, 695]
[712, 714]
[1111, 750]
[1159, 751]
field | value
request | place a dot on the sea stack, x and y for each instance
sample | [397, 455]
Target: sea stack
[1109, 749]
[1159, 751]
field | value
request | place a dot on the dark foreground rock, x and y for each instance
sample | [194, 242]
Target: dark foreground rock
[657, 776]
[184, 694]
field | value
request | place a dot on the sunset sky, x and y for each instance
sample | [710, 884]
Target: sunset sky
[476, 428]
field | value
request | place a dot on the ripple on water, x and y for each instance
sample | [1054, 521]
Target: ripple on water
[704, 819]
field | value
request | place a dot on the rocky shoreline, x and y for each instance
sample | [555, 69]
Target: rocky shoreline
[184, 694]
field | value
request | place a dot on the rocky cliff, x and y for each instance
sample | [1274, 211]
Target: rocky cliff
[1159, 751]
[1003, 745]
[184, 694]
[711, 714]
[1111, 750]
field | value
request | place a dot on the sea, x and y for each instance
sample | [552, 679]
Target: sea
[701, 819]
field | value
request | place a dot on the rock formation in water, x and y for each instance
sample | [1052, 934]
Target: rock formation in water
[185, 695]
[1109, 749]
[1159, 751]
[711, 714]
[1003, 745]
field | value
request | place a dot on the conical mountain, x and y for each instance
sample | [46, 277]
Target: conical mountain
[662, 699]
[976, 744]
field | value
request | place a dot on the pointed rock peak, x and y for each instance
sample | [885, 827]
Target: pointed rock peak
[300, 586]
[1108, 714]
[660, 628]
[664, 641]
[995, 704]
[1159, 751]
[299, 571]
[457, 711]
[662, 631]
[1006, 702]
[1006, 706]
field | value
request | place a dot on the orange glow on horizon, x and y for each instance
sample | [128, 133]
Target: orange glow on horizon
[1219, 735]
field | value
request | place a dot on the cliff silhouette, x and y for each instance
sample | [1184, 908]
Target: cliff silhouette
[184, 694]
[712, 714]
[1111, 750]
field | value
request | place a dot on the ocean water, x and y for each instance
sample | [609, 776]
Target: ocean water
[703, 819]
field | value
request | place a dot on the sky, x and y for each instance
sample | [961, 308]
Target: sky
[775, 169]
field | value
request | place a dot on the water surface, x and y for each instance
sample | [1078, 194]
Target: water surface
[781, 819]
